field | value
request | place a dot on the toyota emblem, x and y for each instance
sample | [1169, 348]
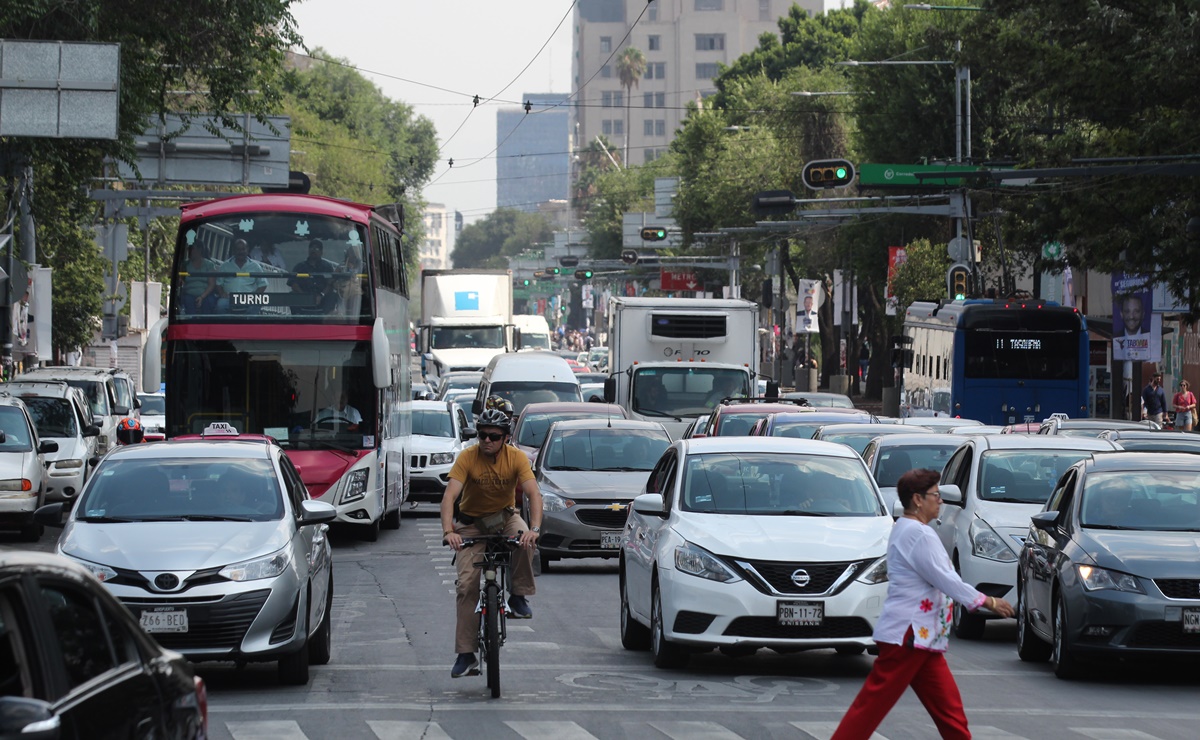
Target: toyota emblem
[170, 581]
[800, 577]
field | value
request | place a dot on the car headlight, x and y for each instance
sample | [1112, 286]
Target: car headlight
[696, 561]
[16, 484]
[1096, 579]
[356, 485]
[986, 544]
[68, 464]
[877, 572]
[268, 566]
[552, 502]
[441, 458]
[102, 572]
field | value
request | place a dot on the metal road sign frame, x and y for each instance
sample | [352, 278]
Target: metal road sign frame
[59, 89]
[203, 151]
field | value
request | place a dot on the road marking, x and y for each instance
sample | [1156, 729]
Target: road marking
[519, 628]
[538, 645]
[985, 732]
[266, 730]
[393, 730]
[550, 731]
[825, 730]
[1110, 733]
[695, 731]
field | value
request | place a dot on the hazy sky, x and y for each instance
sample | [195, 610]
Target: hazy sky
[471, 47]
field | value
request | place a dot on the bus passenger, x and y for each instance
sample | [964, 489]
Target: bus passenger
[199, 292]
[231, 283]
[350, 286]
[317, 280]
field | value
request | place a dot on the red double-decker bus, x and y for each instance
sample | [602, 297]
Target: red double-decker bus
[289, 318]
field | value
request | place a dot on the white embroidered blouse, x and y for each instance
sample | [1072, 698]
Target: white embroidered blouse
[921, 586]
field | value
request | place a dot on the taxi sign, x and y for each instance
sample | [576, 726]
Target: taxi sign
[220, 429]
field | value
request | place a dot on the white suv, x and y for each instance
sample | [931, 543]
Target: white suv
[60, 413]
[109, 392]
[439, 432]
[22, 468]
[991, 486]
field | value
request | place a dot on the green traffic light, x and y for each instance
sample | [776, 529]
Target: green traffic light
[526, 282]
[841, 173]
[959, 296]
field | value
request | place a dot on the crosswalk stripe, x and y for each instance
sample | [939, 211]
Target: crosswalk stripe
[394, 730]
[1112, 733]
[695, 731]
[825, 730]
[266, 730]
[550, 731]
[985, 732]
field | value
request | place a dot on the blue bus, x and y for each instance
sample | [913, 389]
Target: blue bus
[996, 361]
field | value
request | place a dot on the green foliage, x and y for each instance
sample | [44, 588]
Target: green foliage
[922, 277]
[619, 192]
[504, 233]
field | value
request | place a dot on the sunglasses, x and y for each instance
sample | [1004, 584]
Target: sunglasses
[491, 436]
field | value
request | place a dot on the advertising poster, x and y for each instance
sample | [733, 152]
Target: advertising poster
[809, 297]
[1137, 331]
[896, 256]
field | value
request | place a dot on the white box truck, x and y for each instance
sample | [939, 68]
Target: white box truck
[466, 319]
[674, 359]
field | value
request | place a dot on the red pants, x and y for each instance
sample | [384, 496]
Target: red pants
[897, 668]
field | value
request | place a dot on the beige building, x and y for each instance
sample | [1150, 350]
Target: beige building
[435, 249]
[684, 41]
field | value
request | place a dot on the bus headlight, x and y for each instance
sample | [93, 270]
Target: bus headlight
[356, 485]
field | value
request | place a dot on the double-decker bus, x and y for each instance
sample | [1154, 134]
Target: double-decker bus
[289, 317]
[996, 361]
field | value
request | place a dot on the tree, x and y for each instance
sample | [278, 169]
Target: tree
[504, 233]
[597, 157]
[922, 276]
[631, 65]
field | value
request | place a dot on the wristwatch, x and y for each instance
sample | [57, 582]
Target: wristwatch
[535, 530]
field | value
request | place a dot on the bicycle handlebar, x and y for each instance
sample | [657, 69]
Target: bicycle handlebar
[511, 541]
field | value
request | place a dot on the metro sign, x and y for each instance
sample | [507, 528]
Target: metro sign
[674, 280]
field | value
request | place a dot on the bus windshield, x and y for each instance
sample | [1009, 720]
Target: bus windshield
[254, 267]
[687, 390]
[307, 395]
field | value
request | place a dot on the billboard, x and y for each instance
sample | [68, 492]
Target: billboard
[810, 294]
[1137, 330]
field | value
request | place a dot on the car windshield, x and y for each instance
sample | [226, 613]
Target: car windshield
[778, 484]
[182, 489]
[1163, 501]
[531, 431]
[857, 441]
[894, 462]
[15, 429]
[94, 390]
[738, 425]
[153, 405]
[796, 429]
[1024, 476]
[1078, 432]
[615, 450]
[53, 417]
[524, 392]
[432, 423]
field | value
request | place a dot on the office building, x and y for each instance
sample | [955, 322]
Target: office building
[434, 252]
[532, 157]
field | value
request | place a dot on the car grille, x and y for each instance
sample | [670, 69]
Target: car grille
[1162, 635]
[769, 627]
[219, 625]
[126, 577]
[1179, 588]
[603, 518]
[418, 462]
[692, 623]
[822, 576]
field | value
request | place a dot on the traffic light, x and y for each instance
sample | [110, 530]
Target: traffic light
[583, 274]
[526, 282]
[821, 174]
[958, 281]
[553, 271]
[654, 234]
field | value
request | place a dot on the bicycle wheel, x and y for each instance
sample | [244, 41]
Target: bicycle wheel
[491, 637]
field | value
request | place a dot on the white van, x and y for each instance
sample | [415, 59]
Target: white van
[527, 377]
[535, 331]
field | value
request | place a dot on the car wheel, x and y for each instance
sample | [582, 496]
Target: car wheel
[320, 645]
[370, 533]
[850, 650]
[666, 654]
[293, 668]
[544, 561]
[391, 520]
[634, 635]
[1030, 647]
[1066, 665]
[31, 532]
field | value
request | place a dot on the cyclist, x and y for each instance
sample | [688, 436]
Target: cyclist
[480, 499]
[129, 431]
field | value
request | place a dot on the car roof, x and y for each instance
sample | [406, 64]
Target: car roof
[701, 445]
[1102, 424]
[750, 408]
[916, 438]
[49, 388]
[85, 371]
[253, 446]
[1042, 441]
[1144, 461]
[10, 400]
[602, 423]
[817, 414]
[883, 429]
[560, 406]
[1119, 434]
[442, 405]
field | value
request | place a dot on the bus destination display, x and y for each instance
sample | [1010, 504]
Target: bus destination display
[1049, 355]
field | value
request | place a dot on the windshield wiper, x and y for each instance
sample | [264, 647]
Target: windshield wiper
[106, 520]
[625, 469]
[1010, 500]
[214, 518]
[802, 512]
[1111, 526]
[566, 467]
[656, 412]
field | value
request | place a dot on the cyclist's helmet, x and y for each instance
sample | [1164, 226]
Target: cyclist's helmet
[494, 418]
[129, 431]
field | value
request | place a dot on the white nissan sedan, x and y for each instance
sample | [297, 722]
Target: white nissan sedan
[741, 543]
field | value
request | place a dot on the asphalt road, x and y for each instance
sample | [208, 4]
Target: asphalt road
[566, 677]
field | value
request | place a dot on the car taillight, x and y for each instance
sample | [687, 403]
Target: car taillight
[202, 702]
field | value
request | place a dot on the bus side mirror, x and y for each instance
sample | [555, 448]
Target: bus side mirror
[610, 389]
[381, 355]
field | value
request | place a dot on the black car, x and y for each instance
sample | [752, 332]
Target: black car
[1109, 569]
[75, 664]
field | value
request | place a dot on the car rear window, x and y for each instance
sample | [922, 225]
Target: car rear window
[183, 489]
[534, 426]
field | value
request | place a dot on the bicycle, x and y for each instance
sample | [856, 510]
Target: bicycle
[493, 600]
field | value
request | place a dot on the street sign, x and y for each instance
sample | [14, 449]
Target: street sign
[1052, 250]
[676, 280]
[905, 175]
[59, 89]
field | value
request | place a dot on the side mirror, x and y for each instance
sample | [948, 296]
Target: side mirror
[610, 389]
[316, 512]
[137, 403]
[47, 445]
[93, 461]
[951, 494]
[650, 504]
[51, 515]
[98, 420]
[772, 389]
[28, 719]
[91, 430]
[467, 433]
[476, 407]
[1045, 520]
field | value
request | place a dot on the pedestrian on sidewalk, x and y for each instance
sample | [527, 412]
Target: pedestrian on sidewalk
[1185, 407]
[1155, 399]
[914, 627]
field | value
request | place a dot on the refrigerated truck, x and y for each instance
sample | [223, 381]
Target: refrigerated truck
[466, 320]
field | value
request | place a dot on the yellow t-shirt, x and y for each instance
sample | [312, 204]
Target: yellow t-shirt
[489, 487]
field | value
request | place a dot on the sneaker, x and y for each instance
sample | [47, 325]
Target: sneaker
[466, 665]
[518, 608]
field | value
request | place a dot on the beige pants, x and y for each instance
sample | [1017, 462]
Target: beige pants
[466, 631]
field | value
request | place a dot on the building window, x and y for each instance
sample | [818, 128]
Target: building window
[606, 44]
[647, 100]
[651, 154]
[710, 4]
[710, 42]
[656, 71]
[648, 127]
[660, 100]
[654, 43]
[618, 127]
[652, 15]
[606, 71]
[660, 127]
[706, 70]
[764, 10]
[606, 127]
[612, 99]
